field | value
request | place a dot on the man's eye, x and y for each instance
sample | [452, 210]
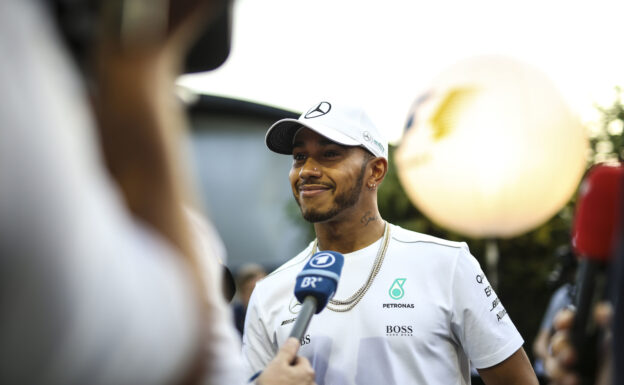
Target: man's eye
[331, 154]
[298, 156]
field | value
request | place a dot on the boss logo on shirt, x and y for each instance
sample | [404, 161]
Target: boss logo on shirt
[399, 330]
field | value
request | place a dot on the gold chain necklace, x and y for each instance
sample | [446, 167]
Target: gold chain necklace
[349, 303]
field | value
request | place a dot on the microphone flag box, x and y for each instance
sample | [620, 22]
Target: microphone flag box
[319, 278]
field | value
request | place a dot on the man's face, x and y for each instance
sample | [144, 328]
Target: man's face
[326, 177]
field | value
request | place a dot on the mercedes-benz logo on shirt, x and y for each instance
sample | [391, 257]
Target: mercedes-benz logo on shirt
[321, 109]
[294, 306]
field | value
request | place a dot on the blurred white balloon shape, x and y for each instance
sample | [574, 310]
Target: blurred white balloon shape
[492, 149]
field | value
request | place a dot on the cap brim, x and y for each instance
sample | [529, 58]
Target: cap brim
[279, 138]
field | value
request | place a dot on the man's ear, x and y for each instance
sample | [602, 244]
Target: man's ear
[379, 169]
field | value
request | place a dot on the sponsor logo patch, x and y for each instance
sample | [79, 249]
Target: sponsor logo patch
[288, 321]
[399, 330]
[294, 306]
[398, 306]
[319, 110]
[396, 289]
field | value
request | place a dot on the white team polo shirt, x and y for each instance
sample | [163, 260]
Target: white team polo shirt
[429, 313]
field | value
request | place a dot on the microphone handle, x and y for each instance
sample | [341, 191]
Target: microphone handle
[308, 308]
[585, 334]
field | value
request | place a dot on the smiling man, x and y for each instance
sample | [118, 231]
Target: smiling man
[410, 308]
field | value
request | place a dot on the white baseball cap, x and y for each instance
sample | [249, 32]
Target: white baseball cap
[346, 125]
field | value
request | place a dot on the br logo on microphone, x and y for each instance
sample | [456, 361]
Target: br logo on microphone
[310, 281]
[322, 260]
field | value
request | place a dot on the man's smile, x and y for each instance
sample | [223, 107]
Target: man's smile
[312, 190]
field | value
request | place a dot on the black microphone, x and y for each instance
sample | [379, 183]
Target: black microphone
[316, 285]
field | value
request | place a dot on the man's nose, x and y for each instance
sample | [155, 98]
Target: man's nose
[310, 169]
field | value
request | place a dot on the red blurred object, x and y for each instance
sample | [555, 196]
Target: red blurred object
[595, 234]
[598, 213]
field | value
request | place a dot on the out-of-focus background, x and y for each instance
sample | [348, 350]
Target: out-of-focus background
[495, 111]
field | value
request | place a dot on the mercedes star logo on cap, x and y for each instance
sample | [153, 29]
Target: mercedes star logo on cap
[321, 109]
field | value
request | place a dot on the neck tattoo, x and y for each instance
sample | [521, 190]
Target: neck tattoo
[367, 218]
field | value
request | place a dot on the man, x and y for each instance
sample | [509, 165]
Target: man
[410, 308]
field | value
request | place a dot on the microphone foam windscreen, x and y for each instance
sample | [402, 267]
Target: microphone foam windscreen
[319, 277]
[598, 213]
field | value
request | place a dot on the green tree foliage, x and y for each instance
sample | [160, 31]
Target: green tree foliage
[607, 141]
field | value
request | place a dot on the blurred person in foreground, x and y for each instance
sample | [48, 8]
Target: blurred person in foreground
[562, 277]
[560, 363]
[246, 278]
[409, 308]
[100, 274]
[588, 344]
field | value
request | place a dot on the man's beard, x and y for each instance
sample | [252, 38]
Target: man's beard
[341, 202]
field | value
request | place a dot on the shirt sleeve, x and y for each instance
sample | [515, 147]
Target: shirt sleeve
[258, 346]
[479, 320]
